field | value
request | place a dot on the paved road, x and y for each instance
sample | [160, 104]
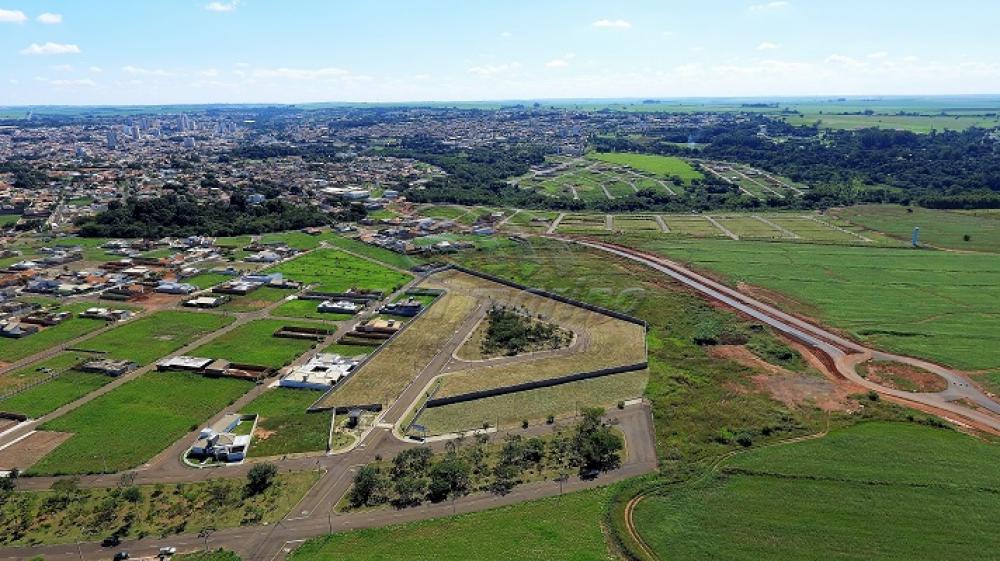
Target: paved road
[843, 353]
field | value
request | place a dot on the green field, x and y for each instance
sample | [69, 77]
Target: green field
[146, 339]
[256, 300]
[306, 309]
[335, 271]
[918, 123]
[15, 349]
[930, 304]
[133, 422]
[255, 343]
[664, 166]
[397, 260]
[565, 528]
[206, 280]
[940, 228]
[284, 427]
[350, 350]
[935, 498]
[49, 396]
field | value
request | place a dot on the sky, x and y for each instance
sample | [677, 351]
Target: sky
[90, 52]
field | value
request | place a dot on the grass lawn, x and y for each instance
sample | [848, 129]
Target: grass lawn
[665, 166]
[147, 339]
[536, 530]
[306, 309]
[49, 396]
[336, 271]
[350, 350]
[15, 349]
[130, 424]
[932, 304]
[255, 343]
[284, 427]
[875, 491]
[36, 371]
[397, 260]
[939, 228]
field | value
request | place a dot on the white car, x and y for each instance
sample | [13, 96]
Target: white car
[167, 551]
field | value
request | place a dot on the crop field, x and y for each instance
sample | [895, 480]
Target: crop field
[283, 426]
[537, 529]
[148, 338]
[335, 271]
[374, 252]
[382, 378]
[130, 424]
[936, 499]
[255, 343]
[663, 166]
[940, 228]
[534, 405]
[930, 304]
[306, 309]
[15, 349]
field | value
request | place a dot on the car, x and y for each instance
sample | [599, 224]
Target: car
[111, 540]
[167, 551]
[121, 556]
[590, 474]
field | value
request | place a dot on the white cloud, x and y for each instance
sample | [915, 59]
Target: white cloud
[769, 6]
[326, 73]
[488, 70]
[12, 16]
[222, 6]
[561, 62]
[82, 82]
[63, 68]
[140, 71]
[50, 48]
[49, 18]
[14, 82]
[209, 73]
[611, 24]
[96, 69]
[768, 46]
[843, 60]
[878, 55]
[506, 34]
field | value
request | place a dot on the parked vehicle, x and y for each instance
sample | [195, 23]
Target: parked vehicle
[111, 541]
[121, 556]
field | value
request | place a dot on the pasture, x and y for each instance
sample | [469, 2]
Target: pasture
[133, 422]
[331, 270]
[148, 338]
[934, 499]
[255, 343]
[283, 426]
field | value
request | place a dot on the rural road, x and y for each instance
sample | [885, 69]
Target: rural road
[843, 353]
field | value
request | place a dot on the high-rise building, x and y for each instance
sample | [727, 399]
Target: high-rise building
[112, 139]
[185, 122]
[189, 142]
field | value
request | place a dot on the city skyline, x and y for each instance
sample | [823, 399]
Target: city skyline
[253, 51]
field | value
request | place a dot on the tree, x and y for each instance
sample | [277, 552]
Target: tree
[449, 478]
[260, 478]
[369, 487]
[504, 479]
[409, 491]
[596, 446]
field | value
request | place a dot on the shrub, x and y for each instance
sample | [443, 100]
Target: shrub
[260, 478]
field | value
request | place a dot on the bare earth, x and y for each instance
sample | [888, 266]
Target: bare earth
[28, 451]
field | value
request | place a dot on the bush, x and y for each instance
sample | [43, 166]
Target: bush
[369, 487]
[260, 478]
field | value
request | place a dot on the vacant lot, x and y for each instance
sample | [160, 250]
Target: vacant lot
[284, 427]
[255, 343]
[147, 339]
[46, 397]
[665, 166]
[533, 530]
[16, 349]
[935, 499]
[130, 424]
[939, 228]
[335, 271]
[306, 309]
[256, 300]
[206, 280]
[379, 254]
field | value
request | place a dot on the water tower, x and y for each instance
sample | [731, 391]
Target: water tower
[916, 236]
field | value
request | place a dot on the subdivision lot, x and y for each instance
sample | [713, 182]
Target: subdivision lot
[688, 225]
[534, 530]
[48, 396]
[935, 499]
[25, 452]
[300, 308]
[255, 343]
[130, 424]
[37, 371]
[146, 339]
[663, 166]
[635, 222]
[256, 300]
[397, 260]
[335, 271]
[15, 349]
[937, 227]
[284, 426]
[583, 224]
[206, 280]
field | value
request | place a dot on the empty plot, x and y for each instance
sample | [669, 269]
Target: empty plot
[68, 386]
[664, 166]
[582, 224]
[688, 225]
[810, 230]
[284, 426]
[255, 343]
[748, 227]
[639, 223]
[147, 339]
[15, 349]
[331, 270]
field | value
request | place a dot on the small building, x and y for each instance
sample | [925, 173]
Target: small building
[108, 367]
[167, 287]
[406, 308]
[339, 307]
[105, 314]
[207, 301]
[181, 362]
[16, 330]
[219, 442]
[319, 373]
[386, 326]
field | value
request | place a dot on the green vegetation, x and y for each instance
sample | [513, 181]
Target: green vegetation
[146, 339]
[130, 424]
[350, 350]
[943, 484]
[256, 300]
[217, 555]
[206, 280]
[284, 427]
[335, 271]
[15, 349]
[534, 530]
[940, 228]
[49, 396]
[301, 308]
[36, 371]
[511, 332]
[68, 513]
[255, 343]
[665, 166]
[397, 260]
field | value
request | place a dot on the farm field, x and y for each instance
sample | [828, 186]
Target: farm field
[663, 166]
[255, 343]
[15, 349]
[130, 424]
[929, 304]
[283, 426]
[335, 271]
[936, 499]
[534, 405]
[306, 309]
[148, 338]
[940, 228]
[538, 529]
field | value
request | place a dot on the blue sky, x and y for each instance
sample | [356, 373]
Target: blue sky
[184, 51]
